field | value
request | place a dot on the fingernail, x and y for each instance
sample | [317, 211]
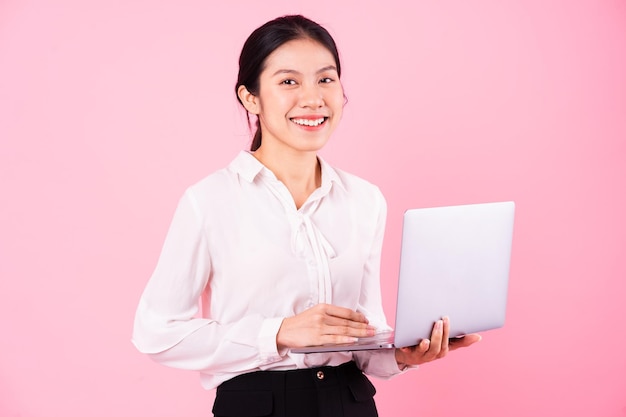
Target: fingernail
[439, 325]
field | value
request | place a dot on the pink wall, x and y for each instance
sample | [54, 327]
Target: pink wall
[108, 109]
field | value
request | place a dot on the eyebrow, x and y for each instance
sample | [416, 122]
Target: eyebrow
[290, 71]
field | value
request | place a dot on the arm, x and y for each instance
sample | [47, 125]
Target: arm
[167, 326]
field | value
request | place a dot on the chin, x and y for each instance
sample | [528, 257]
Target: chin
[313, 147]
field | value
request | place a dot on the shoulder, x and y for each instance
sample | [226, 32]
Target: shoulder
[243, 168]
[218, 187]
[362, 200]
[358, 187]
[353, 181]
[358, 195]
[216, 182]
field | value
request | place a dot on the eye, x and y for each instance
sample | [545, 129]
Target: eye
[288, 82]
[326, 80]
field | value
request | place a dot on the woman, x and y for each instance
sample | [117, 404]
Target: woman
[280, 250]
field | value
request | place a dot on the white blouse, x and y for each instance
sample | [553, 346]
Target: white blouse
[239, 257]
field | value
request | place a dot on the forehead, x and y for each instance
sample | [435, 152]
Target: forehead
[302, 55]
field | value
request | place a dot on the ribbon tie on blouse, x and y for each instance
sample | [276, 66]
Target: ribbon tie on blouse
[306, 239]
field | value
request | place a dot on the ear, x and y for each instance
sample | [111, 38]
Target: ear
[249, 100]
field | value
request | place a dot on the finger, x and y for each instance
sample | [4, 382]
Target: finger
[435, 340]
[464, 341]
[345, 313]
[444, 337]
[415, 355]
[337, 321]
[334, 325]
[337, 339]
[420, 349]
[423, 346]
[343, 321]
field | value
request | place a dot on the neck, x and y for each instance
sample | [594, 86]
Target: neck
[299, 171]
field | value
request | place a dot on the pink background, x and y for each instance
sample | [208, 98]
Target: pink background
[109, 109]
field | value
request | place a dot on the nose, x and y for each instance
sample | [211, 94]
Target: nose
[311, 96]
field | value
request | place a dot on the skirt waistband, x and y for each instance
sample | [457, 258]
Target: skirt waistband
[323, 376]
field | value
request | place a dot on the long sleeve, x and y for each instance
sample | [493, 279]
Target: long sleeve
[167, 322]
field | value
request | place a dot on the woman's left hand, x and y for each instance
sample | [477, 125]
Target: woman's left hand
[436, 348]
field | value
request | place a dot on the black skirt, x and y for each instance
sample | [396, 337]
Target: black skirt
[328, 391]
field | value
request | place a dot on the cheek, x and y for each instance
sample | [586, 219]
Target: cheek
[277, 105]
[336, 100]
[338, 104]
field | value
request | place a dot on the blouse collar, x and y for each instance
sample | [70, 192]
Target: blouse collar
[248, 167]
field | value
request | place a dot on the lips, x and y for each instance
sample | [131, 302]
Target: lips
[309, 121]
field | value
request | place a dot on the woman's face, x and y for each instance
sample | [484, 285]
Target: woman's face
[300, 99]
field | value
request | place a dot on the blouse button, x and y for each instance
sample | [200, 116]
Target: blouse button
[320, 375]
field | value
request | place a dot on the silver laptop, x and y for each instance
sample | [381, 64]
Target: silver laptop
[454, 262]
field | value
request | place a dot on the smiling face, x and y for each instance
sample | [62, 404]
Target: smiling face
[300, 98]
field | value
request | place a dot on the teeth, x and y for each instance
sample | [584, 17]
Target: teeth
[309, 122]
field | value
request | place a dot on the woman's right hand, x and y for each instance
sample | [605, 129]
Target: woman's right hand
[323, 324]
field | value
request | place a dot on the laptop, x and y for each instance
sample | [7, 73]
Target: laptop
[454, 262]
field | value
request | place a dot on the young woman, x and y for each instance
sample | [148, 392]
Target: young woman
[280, 250]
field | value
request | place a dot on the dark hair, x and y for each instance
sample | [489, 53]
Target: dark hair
[265, 40]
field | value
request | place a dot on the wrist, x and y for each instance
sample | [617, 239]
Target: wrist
[268, 337]
[281, 343]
